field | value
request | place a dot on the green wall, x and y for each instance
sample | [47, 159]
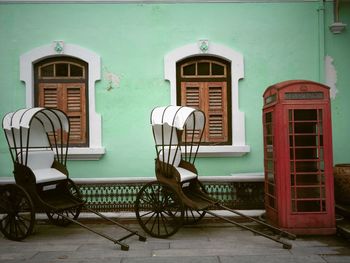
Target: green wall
[338, 47]
[279, 41]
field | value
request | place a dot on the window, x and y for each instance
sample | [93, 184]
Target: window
[72, 70]
[203, 83]
[61, 83]
[219, 65]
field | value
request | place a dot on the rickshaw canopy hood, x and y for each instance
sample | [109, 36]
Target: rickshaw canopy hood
[32, 131]
[178, 117]
[51, 119]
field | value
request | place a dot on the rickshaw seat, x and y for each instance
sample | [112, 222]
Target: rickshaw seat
[40, 162]
[175, 155]
[185, 174]
[48, 175]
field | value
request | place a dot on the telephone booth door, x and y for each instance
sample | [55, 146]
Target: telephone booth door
[298, 157]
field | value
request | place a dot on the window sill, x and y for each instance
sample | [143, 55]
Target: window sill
[222, 151]
[78, 153]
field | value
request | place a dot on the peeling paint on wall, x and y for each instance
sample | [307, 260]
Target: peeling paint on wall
[331, 76]
[113, 79]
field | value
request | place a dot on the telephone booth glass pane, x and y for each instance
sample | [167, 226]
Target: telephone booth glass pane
[306, 160]
[269, 161]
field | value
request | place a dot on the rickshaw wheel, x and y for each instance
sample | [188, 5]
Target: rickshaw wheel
[159, 210]
[71, 212]
[17, 214]
[193, 216]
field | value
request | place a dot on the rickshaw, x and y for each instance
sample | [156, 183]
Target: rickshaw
[38, 140]
[178, 197]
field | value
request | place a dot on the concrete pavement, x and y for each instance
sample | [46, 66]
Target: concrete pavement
[207, 242]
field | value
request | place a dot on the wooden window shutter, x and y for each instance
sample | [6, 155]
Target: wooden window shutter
[71, 98]
[210, 97]
[191, 96]
[217, 111]
[48, 95]
[75, 107]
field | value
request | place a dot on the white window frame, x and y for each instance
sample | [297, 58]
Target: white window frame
[95, 150]
[238, 146]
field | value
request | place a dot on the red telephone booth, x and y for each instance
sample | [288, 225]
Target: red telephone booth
[299, 194]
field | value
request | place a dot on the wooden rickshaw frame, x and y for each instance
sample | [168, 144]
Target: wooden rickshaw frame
[164, 205]
[60, 198]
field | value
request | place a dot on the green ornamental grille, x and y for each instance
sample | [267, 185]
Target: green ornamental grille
[117, 197]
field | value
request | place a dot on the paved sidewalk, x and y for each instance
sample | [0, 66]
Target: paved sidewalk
[207, 242]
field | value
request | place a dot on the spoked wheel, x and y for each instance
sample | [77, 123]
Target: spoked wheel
[17, 214]
[58, 220]
[159, 210]
[72, 212]
[193, 216]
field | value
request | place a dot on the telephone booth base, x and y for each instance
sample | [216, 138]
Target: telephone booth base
[327, 229]
[311, 231]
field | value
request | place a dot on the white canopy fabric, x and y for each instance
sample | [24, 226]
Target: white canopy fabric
[38, 120]
[28, 134]
[6, 121]
[51, 119]
[166, 120]
[178, 117]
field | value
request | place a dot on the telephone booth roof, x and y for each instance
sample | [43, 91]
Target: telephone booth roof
[287, 83]
[51, 119]
[178, 117]
[296, 92]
